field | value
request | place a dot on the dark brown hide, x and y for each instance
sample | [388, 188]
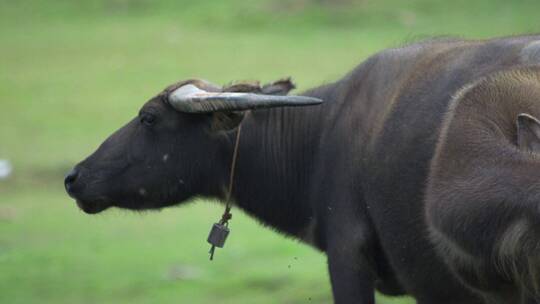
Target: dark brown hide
[416, 176]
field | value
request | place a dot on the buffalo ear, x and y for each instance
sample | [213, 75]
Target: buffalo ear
[528, 133]
[225, 121]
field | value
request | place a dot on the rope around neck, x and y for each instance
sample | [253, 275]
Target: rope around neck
[227, 215]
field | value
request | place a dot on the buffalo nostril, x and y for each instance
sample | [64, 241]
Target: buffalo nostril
[70, 179]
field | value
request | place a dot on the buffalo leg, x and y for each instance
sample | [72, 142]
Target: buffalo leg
[350, 284]
[349, 251]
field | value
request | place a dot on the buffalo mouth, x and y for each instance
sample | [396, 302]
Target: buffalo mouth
[92, 207]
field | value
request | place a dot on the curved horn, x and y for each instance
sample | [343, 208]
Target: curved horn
[189, 98]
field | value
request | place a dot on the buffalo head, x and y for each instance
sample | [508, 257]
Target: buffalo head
[177, 147]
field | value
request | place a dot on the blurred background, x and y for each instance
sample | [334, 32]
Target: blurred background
[73, 71]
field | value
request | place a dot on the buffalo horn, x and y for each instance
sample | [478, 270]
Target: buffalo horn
[189, 98]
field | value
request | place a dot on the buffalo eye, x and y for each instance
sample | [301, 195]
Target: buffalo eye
[147, 119]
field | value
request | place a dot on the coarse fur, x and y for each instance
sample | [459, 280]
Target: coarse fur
[483, 191]
[409, 177]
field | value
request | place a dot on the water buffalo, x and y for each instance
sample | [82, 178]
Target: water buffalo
[418, 175]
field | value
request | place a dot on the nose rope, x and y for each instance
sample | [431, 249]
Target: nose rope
[227, 215]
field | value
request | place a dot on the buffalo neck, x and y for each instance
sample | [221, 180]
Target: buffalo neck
[274, 168]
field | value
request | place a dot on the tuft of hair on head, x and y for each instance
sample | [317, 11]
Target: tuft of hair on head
[279, 87]
[244, 86]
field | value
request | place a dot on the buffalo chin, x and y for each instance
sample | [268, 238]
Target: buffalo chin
[92, 208]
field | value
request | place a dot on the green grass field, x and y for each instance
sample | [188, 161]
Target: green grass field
[71, 72]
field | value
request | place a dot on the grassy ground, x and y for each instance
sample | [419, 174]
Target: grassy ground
[71, 72]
